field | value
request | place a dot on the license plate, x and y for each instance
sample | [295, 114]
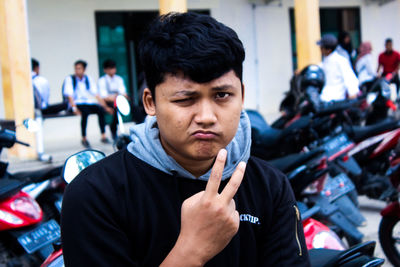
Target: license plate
[41, 236]
[336, 144]
[337, 186]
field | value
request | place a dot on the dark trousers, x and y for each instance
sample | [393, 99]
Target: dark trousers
[114, 122]
[86, 110]
[55, 108]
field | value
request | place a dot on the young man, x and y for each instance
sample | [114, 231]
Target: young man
[42, 92]
[389, 63]
[83, 97]
[340, 80]
[181, 194]
[111, 85]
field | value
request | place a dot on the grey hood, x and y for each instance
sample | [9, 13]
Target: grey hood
[146, 146]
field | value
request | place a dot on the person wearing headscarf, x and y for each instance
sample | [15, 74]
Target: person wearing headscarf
[365, 71]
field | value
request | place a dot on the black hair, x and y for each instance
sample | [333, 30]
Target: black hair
[346, 46]
[109, 64]
[34, 63]
[82, 62]
[388, 40]
[192, 44]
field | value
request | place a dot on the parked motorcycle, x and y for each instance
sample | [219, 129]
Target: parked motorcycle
[389, 227]
[25, 235]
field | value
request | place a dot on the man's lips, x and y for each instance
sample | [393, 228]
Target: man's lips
[205, 135]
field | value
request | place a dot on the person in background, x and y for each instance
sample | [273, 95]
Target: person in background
[345, 48]
[111, 85]
[41, 91]
[340, 80]
[388, 63]
[365, 71]
[84, 100]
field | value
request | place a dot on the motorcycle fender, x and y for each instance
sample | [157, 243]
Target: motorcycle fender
[393, 209]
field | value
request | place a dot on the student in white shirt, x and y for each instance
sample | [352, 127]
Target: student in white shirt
[111, 85]
[340, 80]
[41, 90]
[83, 97]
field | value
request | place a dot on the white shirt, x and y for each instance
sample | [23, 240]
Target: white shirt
[364, 69]
[111, 85]
[340, 79]
[81, 94]
[42, 85]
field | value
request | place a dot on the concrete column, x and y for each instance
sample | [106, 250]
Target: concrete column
[308, 32]
[16, 72]
[167, 6]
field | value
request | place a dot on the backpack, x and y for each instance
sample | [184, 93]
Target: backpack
[74, 83]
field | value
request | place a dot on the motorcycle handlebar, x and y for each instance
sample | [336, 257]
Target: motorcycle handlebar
[21, 143]
[324, 108]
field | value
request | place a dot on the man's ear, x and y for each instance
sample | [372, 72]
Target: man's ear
[148, 102]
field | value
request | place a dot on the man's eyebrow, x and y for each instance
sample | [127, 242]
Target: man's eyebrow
[185, 93]
[223, 87]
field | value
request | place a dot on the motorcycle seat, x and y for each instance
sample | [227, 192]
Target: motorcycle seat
[38, 175]
[292, 161]
[261, 132]
[359, 133]
[8, 187]
[358, 255]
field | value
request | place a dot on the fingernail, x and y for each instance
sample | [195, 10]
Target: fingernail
[242, 165]
[222, 154]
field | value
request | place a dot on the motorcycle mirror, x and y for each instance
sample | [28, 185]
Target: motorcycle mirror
[123, 105]
[79, 161]
[31, 125]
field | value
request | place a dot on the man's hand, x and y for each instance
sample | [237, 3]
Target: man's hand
[209, 220]
[109, 110]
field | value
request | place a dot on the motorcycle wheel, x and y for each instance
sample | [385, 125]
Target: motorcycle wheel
[389, 237]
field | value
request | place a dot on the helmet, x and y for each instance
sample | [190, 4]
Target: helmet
[312, 75]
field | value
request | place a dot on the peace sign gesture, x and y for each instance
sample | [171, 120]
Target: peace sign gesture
[209, 219]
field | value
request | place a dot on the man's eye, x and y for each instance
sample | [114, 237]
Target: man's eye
[222, 95]
[183, 100]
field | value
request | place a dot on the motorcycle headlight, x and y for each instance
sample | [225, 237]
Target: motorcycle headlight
[328, 240]
[10, 218]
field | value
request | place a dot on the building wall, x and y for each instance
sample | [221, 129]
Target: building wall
[63, 31]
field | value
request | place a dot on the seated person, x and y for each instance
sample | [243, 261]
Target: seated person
[84, 99]
[41, 90]
[111, 85]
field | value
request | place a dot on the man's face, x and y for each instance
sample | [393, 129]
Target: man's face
[110, 71]
[79, 70]
[196, 120]
[388, 47]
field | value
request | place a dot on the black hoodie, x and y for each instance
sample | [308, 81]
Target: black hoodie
[123, 212]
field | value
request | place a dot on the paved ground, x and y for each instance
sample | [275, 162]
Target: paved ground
[62, 138]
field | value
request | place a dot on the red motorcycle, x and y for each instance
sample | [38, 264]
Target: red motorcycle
[389, 228]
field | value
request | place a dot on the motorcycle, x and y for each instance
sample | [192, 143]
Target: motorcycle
[25, 235]
[389, 225]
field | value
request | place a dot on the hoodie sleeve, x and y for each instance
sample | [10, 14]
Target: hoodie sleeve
[91, 234]
[283, 243]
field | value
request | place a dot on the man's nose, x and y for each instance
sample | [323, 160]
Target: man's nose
[205, 113]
